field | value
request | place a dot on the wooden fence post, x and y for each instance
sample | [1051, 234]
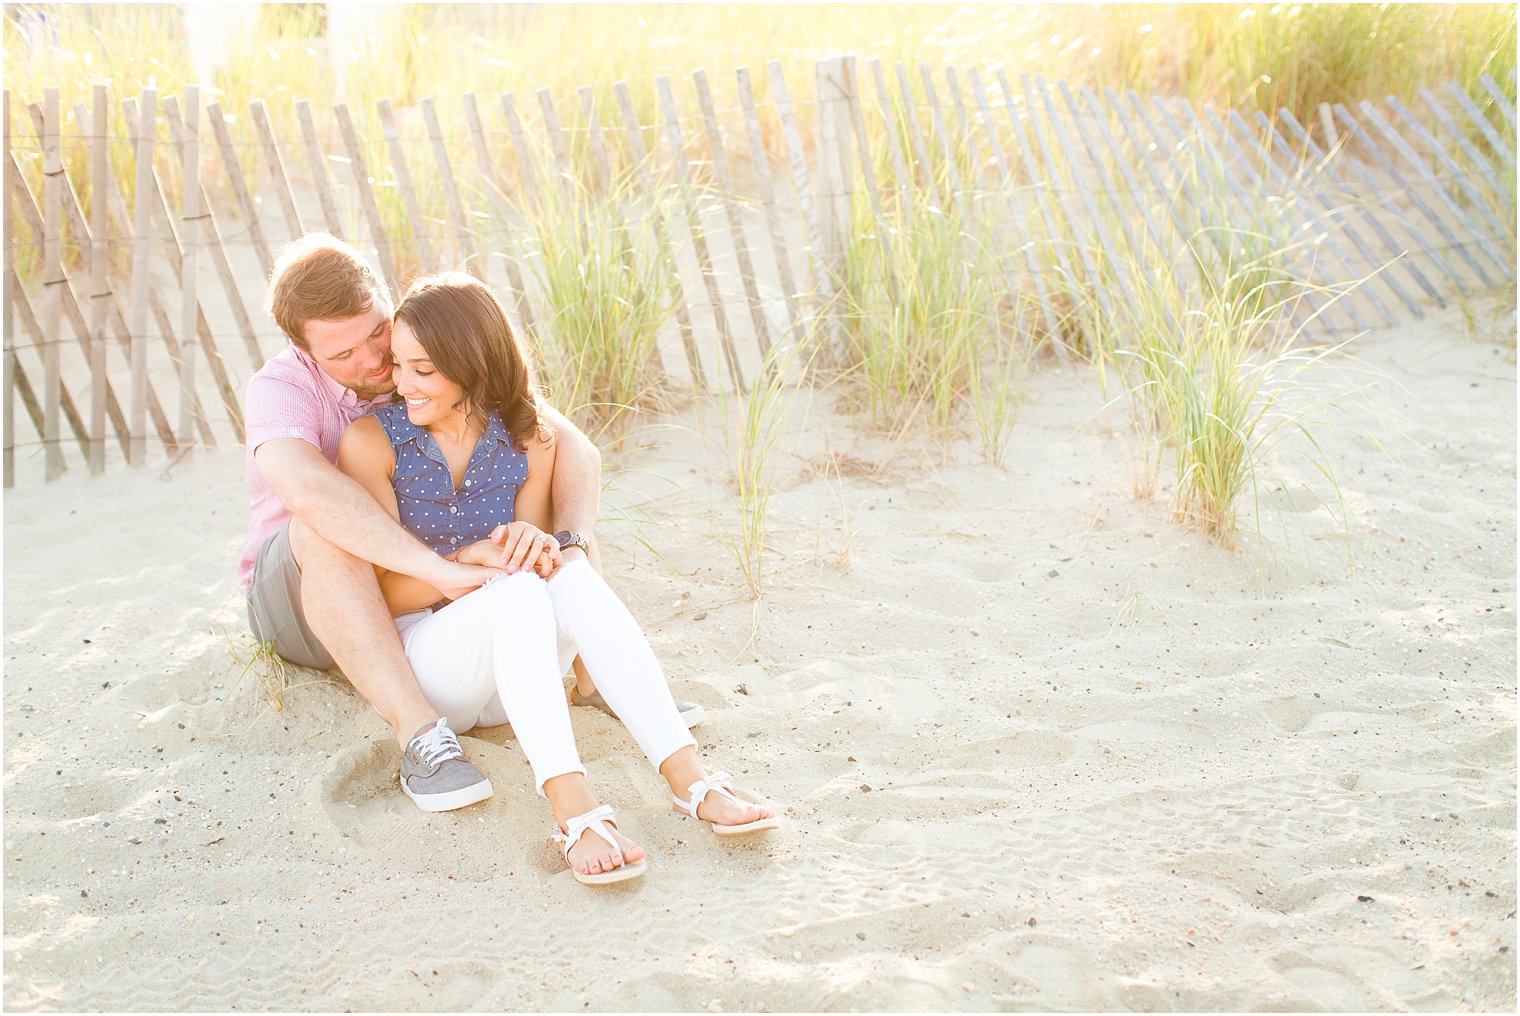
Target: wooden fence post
[1018, 222]
[762, 168]
[836, 184]
[8, 394]
[797, 160]
[316, 164]
[1501, 103]
[1121, 269]
[276, 165]
[159, 208]
[1280, 144]
[640, 156]
[100, 290]
[1311, 219]
[404, 183]
[1095, 280]
[1322, 159]
[190, 236]
[233, 166]
[28, 210]
[962, 118]
[954, 188]
[362, 188]
[1344, 116]
[916, 136]
[890, 120]
[469, 253]
[1309, 223]
[496, 193]
[1506, 151]
[1478, 159]
[1503, 264]
[836, 174]
[694, 222]
[52, 281]
[142, 267]
[731, 210]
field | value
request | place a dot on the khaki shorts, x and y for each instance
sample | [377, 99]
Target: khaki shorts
[274, 605]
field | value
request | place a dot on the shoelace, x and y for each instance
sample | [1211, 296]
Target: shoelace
[439, 744]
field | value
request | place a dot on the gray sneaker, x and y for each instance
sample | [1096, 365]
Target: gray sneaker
[434, 773]
[691, 713]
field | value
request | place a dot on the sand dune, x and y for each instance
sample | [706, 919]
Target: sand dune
[1040, 747]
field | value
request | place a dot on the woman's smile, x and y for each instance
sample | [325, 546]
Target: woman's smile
[431, 398]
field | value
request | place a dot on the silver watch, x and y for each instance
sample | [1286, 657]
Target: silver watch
[569, 539]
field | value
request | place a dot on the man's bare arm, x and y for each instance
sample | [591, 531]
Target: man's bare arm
[344, 514]
[577, 488]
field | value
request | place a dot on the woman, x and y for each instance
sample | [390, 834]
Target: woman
[464, 452]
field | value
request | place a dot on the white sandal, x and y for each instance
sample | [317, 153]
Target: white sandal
[724, 785]
[596, 821]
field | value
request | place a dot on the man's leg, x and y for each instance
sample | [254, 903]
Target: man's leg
[344, 609]
[584, 686]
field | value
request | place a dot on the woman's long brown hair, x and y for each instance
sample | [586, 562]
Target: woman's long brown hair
[465, 331]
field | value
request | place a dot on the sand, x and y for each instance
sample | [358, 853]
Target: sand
[1038, 746]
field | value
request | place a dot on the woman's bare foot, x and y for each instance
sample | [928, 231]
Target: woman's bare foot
[571, 797]
[592, 855]
[684, 774]
[719, 810]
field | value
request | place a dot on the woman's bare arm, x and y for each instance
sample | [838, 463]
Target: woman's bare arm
[365, 454]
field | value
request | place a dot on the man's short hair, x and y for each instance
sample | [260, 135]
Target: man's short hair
[321, 278]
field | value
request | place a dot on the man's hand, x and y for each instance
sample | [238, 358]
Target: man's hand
[455, 578]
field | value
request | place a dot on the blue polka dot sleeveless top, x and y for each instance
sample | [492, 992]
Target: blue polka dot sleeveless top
[432, 509]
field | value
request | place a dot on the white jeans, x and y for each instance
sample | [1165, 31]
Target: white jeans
[499, 655]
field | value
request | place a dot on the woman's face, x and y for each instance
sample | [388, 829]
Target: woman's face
[430, 397]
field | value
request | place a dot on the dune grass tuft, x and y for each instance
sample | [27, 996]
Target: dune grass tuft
[603, 291]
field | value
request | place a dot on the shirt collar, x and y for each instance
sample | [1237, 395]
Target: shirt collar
[405, 430]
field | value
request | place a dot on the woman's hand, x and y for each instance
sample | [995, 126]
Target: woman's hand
[522, 545]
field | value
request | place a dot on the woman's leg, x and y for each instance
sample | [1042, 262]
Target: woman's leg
[500, 640]
[625, 669]
[619, 658]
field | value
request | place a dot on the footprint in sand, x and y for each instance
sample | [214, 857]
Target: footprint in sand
[1290, 714]
[367, 815]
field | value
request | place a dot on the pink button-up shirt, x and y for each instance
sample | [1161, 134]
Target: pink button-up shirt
[290, 396]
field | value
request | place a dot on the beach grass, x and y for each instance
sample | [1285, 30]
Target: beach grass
[603, 289]
[756, 425]
[918, 301]
[1224, 380]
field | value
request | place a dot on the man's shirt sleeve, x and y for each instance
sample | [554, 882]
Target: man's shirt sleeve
[275, 408]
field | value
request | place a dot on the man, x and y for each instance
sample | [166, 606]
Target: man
[315, 536]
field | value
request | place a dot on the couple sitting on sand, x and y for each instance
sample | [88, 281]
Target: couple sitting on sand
[406, 543]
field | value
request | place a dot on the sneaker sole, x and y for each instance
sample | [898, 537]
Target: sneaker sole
[461, 798]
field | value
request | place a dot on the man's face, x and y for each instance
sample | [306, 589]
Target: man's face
[355, 352]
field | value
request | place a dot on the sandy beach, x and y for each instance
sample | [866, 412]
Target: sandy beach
[1037, 745]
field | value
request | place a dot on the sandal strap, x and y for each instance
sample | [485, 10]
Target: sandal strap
[594, 820]
[719, 781]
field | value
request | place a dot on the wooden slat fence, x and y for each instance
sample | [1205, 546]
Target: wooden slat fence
[123, 288]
